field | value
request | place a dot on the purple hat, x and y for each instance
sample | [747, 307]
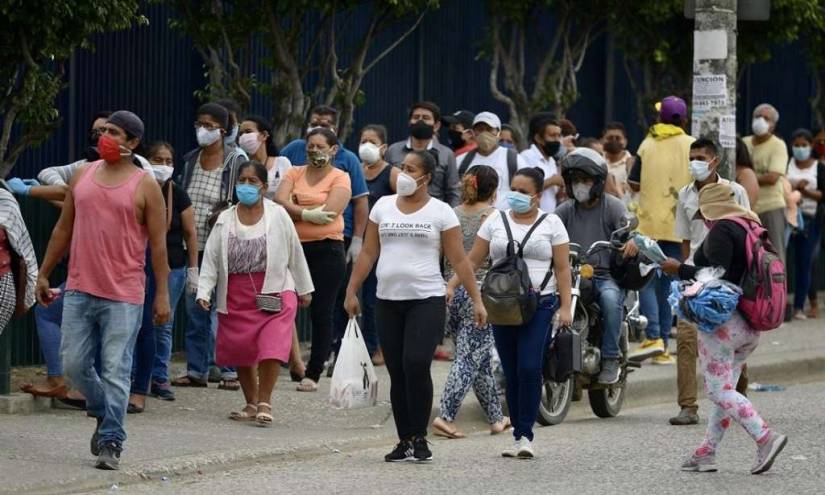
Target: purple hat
[672, 110]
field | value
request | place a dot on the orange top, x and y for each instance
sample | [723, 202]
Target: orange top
[309, 196]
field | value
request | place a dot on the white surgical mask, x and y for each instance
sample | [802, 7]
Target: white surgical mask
[760, 126]
[163, 172]
[369, 153]
[699, 170]
[249, 142]
[405, 185]
[206, 137]
[581, 192]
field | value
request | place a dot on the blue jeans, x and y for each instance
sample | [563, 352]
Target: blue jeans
[200, 340]
[521, 350]
[48, 321]
[611, 302]
[653, 298]
[163, 333]
[89, 321]
[804, 245]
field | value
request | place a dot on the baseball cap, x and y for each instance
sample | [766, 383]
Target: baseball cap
[672, 110]
[488, 118]
[127, 121]
[463, 117]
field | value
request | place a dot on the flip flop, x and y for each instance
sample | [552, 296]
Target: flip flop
[242, 415]
[135, 409]
[58, 392]
[307, 385]
[441, 429]
[263, 419]
[188, 381]
[231, 385]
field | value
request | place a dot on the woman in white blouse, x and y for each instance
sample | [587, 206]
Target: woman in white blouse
[255, 259]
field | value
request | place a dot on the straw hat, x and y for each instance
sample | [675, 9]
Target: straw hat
[716, 202]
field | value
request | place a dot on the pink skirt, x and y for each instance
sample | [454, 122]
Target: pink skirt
[247, 335]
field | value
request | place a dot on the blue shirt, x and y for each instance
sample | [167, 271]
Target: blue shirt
[345, 160]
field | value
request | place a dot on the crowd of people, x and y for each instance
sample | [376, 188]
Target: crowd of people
[401, 235]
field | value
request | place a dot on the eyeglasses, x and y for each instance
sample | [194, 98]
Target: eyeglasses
[207, 126]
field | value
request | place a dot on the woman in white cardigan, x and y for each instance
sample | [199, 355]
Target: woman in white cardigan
[255, 259]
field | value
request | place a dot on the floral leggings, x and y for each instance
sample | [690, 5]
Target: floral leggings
[721, 355]
[472, 366]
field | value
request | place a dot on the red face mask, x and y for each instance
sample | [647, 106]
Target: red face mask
[108, 148]
[820, 150]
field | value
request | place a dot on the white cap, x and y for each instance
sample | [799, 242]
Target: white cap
[488, 118]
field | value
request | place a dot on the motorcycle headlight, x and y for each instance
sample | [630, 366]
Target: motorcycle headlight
[586, 271]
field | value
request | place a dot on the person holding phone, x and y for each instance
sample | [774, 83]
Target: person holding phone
[254, 257]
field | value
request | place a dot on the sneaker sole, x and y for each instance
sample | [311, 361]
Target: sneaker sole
[777, 448]
[420, 461]
[408, 459]
[525, 455]
[509, 455]
[701, 469]
[683, 423]
[107, 467]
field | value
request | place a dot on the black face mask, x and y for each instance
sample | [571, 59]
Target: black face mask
[550, 148]
[612, 146]
[421, 130]
[456, 138]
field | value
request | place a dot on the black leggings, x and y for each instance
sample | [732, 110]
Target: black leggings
[326, 266]
[409, 332]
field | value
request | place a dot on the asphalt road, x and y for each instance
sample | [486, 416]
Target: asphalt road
[638, 452]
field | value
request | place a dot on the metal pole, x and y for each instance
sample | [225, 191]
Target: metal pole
[714, 77]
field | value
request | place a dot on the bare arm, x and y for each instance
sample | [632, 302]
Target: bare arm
[768, 178]
[283, 196]
[190, 235]
[361, 211]
[464, 268]
[685, 249]
[564, 281]
[394, 178]
[747, 178]
[477, 255]
[362, 267]
[554, 180]
[338, 198]
[49, 193]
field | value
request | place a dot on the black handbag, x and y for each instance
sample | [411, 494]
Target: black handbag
[564, 356]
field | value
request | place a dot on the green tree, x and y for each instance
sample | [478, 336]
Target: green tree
[557, 35]
[301, 41]
[36, 41]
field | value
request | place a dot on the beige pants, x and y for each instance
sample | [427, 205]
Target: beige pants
[686, 354]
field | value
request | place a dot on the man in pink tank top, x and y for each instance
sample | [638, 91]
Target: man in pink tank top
[110, 212]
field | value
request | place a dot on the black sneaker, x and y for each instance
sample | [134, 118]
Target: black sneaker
[162, 391]
[94, 444]
[611, 371]
[109, 458]
[401, 453]
[421, 449]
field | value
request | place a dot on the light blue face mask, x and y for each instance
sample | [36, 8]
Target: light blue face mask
[519, 202]
[232, 137]
[247, 194]
[801, 153]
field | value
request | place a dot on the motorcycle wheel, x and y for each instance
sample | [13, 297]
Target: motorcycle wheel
[607, 402]
[555, 401]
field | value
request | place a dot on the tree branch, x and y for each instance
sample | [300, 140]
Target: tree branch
[397, 42]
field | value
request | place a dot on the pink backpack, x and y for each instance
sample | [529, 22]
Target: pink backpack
[762, 302]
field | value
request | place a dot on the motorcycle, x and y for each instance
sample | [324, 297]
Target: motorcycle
[605, 400]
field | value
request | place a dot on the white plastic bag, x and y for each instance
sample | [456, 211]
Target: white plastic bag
[354, 382]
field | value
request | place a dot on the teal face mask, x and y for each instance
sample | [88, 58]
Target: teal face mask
[519, 202]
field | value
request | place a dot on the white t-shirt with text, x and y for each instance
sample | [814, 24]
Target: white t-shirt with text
[409, 263]
[538, 253]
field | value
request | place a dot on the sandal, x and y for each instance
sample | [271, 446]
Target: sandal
[232, 385]
[295, 376]
[307, 385]
[443, 429]
[188, 381]
[263, 418]
[500, 426]
[58, 392]
[134, 409]
[244, 414]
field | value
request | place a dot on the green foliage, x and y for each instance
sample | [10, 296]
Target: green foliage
[36, 40]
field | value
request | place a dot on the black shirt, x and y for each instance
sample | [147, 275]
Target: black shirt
[724, 246]
[379, 186]
[174, 237]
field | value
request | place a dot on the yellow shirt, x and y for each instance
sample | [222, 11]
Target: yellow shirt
[665, 158]
[770, 156]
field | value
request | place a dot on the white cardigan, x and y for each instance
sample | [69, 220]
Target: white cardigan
[286, 267]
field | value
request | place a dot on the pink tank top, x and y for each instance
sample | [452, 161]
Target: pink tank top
[108, 251]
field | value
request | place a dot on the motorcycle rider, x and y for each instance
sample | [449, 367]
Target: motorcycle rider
[589, 216]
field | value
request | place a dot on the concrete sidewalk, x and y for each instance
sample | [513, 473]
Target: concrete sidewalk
[48, 452]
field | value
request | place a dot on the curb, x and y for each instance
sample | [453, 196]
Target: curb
[639, 393]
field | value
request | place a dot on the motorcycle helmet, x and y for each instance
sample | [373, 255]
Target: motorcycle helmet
[627, 272]
[585, 162]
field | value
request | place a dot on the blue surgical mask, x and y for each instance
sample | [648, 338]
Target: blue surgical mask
[506, 145]
[801, 153]
[519, 202]
[247, 194]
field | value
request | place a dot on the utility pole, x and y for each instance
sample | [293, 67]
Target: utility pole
[714, 78]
